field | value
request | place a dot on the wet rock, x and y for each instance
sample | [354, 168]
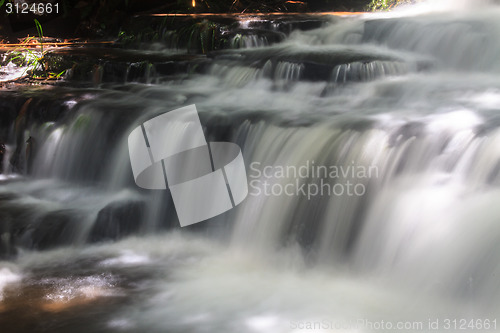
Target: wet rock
[245, 38]
[340, 64]
[287, 24]
[14, 222]
[54, 229]
[3, 150]
[324, 55]
[7, 249]
[117, 220]
[102, 65]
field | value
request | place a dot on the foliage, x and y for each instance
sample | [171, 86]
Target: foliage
[201, 35]
[387, 4]
[40, 33]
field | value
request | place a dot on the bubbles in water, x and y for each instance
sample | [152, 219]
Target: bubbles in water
[7, 276]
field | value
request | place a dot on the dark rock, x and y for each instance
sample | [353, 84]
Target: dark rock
[54, 229]
[117, 220]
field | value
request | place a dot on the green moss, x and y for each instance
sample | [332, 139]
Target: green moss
[82, 122]
[387, 4]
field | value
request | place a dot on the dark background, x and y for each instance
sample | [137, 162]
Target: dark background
[90, 18]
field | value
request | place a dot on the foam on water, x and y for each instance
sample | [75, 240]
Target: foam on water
[200, 284]
[7, 276]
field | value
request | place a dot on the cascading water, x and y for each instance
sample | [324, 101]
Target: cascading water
[372, 148]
